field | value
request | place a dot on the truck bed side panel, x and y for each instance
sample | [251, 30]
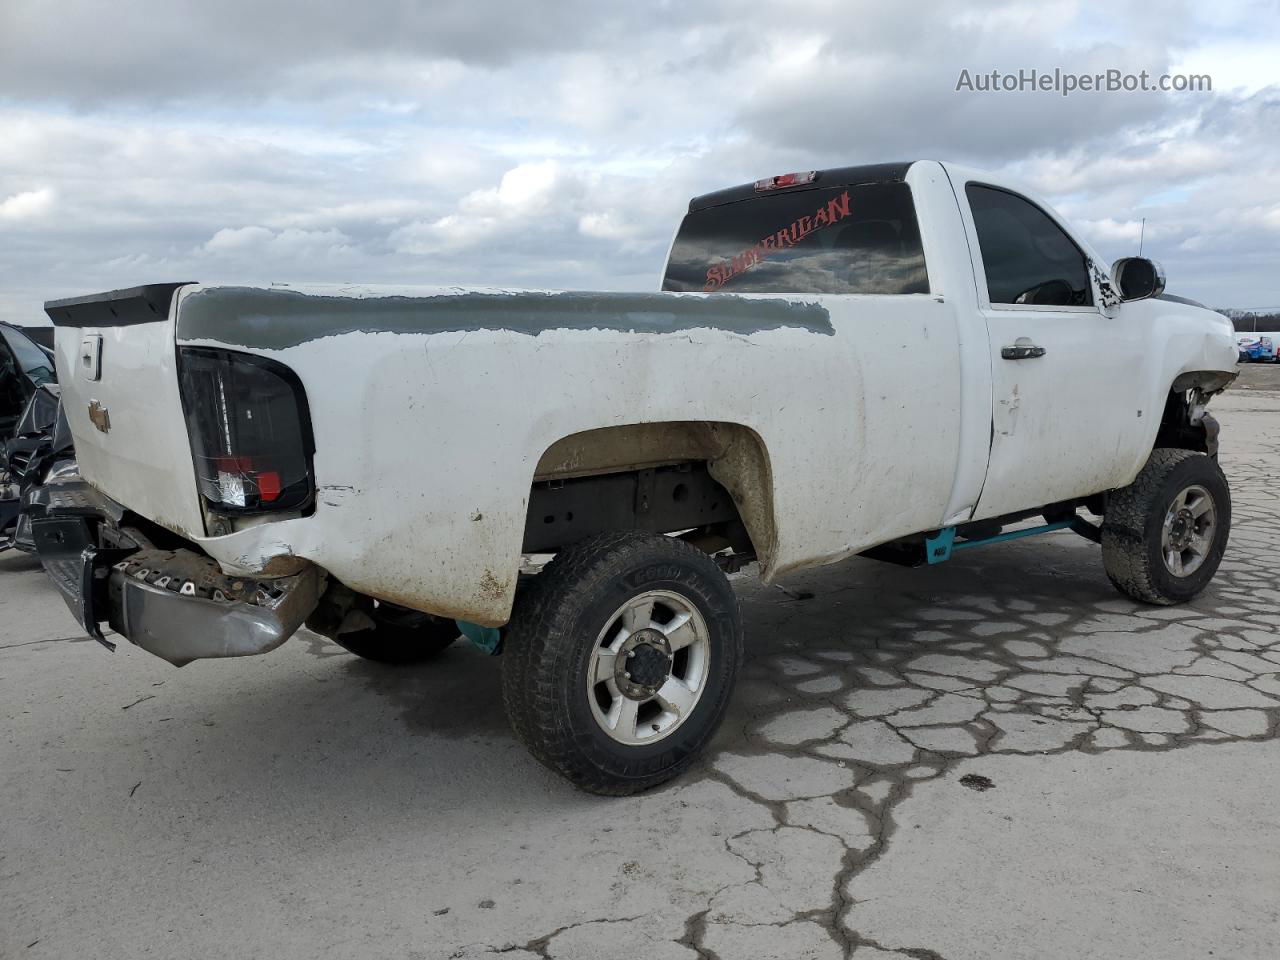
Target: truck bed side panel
[427, 439]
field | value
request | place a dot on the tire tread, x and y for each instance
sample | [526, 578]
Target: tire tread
[543, 620]
[1125, 551]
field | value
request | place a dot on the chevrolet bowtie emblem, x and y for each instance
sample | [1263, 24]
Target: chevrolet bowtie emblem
[100, 417]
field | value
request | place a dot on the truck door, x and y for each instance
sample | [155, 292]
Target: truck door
[1067, 380]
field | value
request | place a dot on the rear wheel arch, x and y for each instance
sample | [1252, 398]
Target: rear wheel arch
[734, 455]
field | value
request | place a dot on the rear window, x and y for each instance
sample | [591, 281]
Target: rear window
[848, 239]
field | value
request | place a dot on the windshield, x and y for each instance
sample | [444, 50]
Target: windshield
[844, 239]
[34, 362]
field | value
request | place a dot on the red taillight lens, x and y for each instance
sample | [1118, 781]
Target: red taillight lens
[786, 180]
[268, 486]
[249, 429]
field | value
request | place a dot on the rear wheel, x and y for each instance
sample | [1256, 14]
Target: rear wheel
[619, 660]
[399, 636]
[1164, 535]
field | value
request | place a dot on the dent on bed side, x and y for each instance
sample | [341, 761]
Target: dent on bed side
[275, 319]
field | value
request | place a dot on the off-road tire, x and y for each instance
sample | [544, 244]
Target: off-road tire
[1131, 529]
[400, 638]
[554, 627]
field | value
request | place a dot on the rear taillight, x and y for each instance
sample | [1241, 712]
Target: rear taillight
[250, 431]
[786, 180]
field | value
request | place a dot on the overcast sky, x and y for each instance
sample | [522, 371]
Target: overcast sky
[508, 142]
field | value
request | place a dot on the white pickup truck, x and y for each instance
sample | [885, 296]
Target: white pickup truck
[897, 360]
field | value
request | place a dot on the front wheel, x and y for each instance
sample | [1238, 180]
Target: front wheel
[1163, 536]
[619, 660]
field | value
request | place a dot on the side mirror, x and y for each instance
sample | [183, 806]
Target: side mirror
[1138, 278]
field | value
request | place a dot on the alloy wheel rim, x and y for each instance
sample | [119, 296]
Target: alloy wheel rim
[1187, 535]
[648, 667]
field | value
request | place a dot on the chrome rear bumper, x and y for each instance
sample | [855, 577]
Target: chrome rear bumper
[176, 604]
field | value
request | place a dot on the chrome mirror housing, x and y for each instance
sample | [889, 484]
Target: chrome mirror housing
[1138, 278]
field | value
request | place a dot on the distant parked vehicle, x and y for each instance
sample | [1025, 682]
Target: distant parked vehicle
[24, 366]
[26, 374]
[39, 451]
[42, 336]
[1257, 350]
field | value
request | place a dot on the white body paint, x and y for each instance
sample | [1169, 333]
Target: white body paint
[905, 420]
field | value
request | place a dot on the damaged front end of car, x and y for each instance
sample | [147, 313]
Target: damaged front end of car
[1186, 423]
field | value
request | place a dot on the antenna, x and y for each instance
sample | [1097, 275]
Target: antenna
[1142, 235]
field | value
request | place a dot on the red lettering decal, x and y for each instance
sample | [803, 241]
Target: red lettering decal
[839, 207]
[835, 210]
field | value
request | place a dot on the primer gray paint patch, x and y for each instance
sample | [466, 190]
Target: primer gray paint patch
[275, 319]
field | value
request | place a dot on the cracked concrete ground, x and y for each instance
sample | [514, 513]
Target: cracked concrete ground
[999, 757]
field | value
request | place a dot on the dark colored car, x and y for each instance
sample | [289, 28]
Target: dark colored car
[24, 366]
[29, 436]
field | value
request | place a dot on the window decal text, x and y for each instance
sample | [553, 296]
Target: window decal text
[831, 212]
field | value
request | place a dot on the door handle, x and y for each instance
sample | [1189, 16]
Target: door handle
[1022, 349]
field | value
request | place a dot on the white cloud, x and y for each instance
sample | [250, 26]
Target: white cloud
[27, 205]
[1245, 65]
[524, 190]
[607, 225]
[235, 240]
[525, 194]
[421, 143]
[257, 251]
[290, 242]
[1108, 232]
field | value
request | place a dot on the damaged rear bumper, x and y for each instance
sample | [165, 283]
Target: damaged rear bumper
[176, 604]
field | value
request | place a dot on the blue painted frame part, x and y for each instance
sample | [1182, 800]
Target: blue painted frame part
[488, 639]
[938, 547]
[1015, 534]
